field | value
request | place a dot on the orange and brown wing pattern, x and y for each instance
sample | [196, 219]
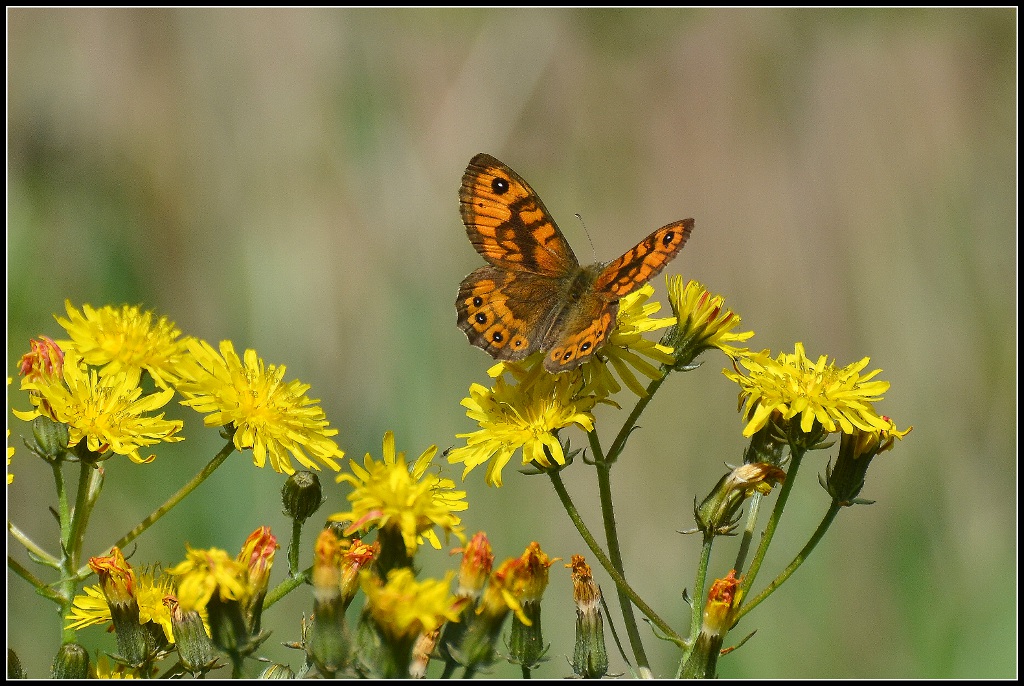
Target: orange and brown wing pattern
[507, 222]
[642, 263]
[505, 313]
[580, 336]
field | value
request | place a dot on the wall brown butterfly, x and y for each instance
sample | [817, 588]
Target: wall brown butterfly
[533, 294]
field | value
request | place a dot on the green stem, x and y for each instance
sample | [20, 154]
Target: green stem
[696, 616]
[31, 546]
[797, 454]
[604, 463]
[606, 563]
[826, 522]
[89, 480]
[63, 512]
[627, 428]
[293, 548]
[697, 602]
[72, 535]
[199, 478]
[615, 555]
[748, 531]
[42, 588]
[287, 586]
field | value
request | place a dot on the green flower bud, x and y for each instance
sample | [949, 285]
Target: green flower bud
[590, 659]
[195, 650]
[71, 662]
[302, 496]
[719, 512]
[51, 438]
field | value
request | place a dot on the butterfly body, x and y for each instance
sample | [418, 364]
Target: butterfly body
[533, 294]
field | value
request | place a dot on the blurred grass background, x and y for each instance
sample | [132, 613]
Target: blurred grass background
[287, 179]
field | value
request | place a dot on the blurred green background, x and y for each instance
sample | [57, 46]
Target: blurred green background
[287, 179]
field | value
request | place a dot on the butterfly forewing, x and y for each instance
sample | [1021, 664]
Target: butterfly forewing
[507, 222]
[643, 262]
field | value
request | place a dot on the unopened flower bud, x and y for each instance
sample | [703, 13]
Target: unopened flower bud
[723, 602]
[117, 581]
[329, 642]
[422, 651]
[845, 480]
[51, 438]
[526, 643]
[258, 556]
[195, 650]
[718, 513]
[590, 659]
[71, 662]
[302, 496]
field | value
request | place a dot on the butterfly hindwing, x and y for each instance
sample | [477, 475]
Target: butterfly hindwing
[644, 261]
[507, 222]
[583, 330]
[499, 311]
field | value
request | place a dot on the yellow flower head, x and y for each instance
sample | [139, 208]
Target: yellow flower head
[838, 398]
[405, 608]
[525, 415]
[106, 411]
[124, 340]
[413, 500]
[205, 572]
[150, 587]
[273, 418]
[704, 321]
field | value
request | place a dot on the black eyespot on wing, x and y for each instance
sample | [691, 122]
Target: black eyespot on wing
[499, 185]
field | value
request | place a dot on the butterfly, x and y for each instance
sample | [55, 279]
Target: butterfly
[533, 294]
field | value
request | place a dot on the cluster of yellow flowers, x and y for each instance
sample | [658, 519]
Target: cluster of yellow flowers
[93, 384]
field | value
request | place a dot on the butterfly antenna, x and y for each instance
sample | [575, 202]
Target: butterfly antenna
[592, 250]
